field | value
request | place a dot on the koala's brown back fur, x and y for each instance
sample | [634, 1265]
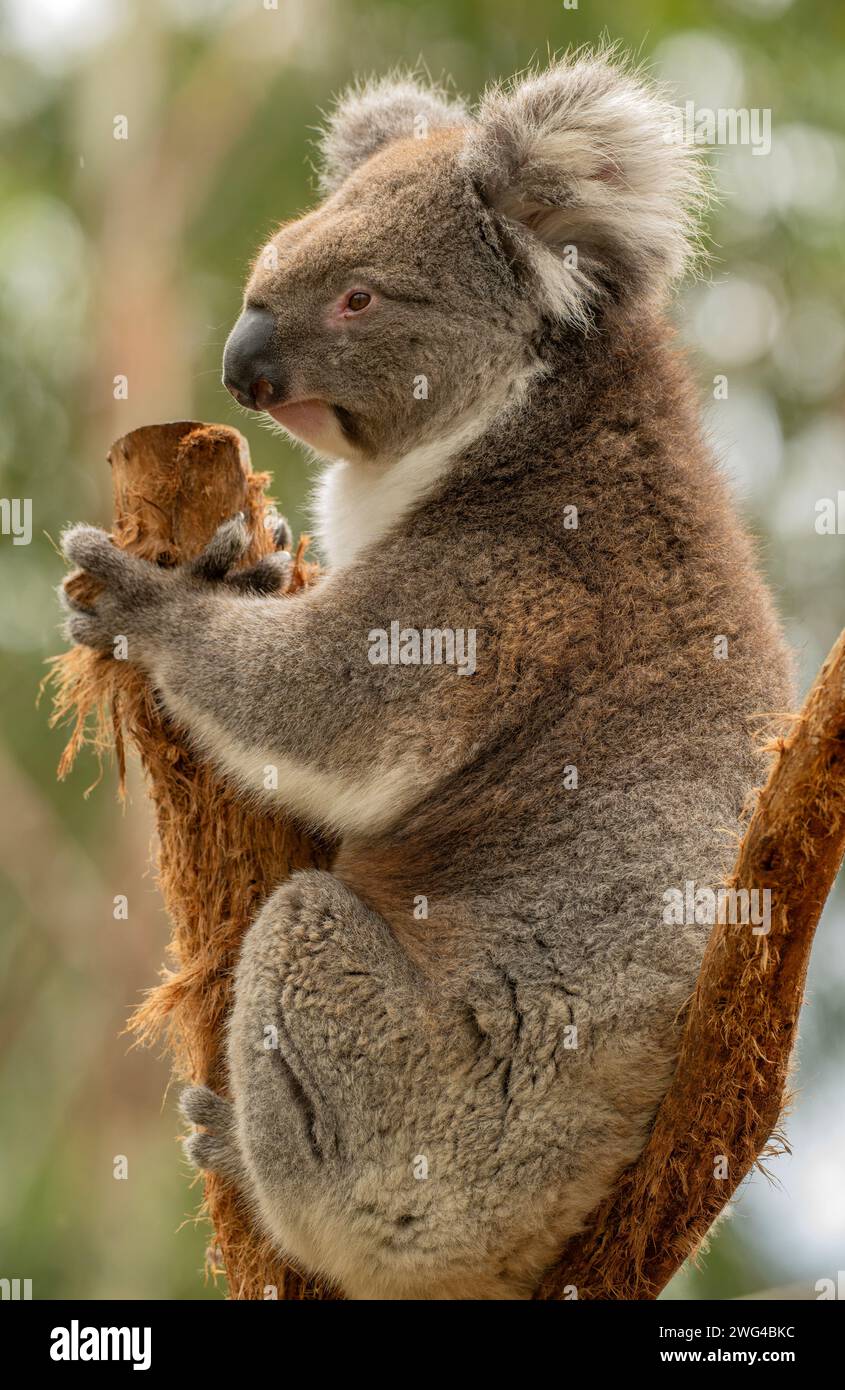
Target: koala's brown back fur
[591, 634]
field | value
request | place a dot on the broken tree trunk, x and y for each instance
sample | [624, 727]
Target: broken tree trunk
[718, 1116]
[218, 859]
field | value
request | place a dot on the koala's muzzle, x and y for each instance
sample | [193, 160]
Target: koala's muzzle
[250, 369]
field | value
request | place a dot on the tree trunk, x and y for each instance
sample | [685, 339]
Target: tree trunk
[217, 860]
[718, 1116]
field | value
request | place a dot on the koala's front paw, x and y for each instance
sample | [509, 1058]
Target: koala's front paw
[128, 597]
[123, 600]
[216, 1150]
[228, 546]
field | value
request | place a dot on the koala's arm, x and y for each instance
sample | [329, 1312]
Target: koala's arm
[280, 691]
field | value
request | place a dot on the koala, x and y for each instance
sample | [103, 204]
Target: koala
[522, 695]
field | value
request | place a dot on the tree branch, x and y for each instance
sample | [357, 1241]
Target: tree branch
[724, 1103]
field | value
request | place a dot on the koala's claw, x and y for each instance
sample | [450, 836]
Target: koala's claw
[282, 534]
[215, 1150]
[226, 547]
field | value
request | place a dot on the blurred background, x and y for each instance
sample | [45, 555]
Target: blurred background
[124, 257]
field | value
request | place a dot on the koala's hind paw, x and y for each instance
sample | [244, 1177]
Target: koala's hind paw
[215, 1150]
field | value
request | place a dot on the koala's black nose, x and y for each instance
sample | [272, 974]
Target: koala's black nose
[249, 369]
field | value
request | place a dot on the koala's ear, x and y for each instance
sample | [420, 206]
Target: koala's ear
[584, 160]
[372, 114]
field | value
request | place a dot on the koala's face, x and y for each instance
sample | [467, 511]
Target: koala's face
[382, 318]
[414, 295]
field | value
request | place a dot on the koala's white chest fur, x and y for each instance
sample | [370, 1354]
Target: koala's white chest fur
[355, 504]
[346, 518]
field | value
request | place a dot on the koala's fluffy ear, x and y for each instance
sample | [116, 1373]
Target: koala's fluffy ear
[584, 160]
[371, 115]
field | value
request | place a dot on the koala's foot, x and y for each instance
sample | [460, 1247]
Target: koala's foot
[216, 1149]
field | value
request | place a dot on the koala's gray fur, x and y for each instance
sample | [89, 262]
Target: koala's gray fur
[429, 1124]
[376, 113]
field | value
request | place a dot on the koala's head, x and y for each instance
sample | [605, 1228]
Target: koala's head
[452, 247]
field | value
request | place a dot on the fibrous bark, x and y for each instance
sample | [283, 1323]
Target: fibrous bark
[217, 858]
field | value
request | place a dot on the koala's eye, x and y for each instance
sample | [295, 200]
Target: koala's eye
[358, 300]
